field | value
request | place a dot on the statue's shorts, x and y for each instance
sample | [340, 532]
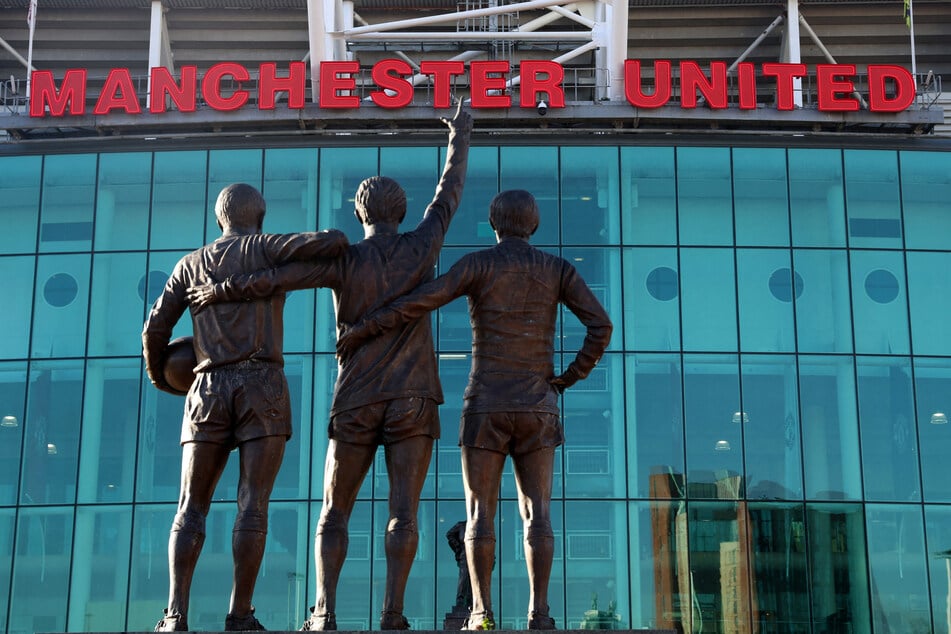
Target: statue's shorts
[237, 403]
[513, 433]
[386, 422]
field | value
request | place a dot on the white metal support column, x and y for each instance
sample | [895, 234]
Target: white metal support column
[321, 16]
[160, 48]
[791, 52]
[617, 19]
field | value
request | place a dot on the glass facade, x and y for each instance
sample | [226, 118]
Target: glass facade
[762, 449]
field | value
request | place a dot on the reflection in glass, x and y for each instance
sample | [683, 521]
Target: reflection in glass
[888, 430]
[708, 304]
[933, 394]
[589, 195]
[823, 313]
[766, 321]
[600, 268]
[122, 201]
[470, 225]
[711, 397]
[925, 189]
[816, 198]
[780, 573]
[12, 394]
[117, 309]
[596, 561]
[159, 460]
[354, 610]
[510, 594]
[17, 276]
[655, 432]
[872, 198]
[770, 427]
[417, 172]
[660, 571]
[938, 531]
[898, 568]
[830, 441]
[535, 169]
[838, 568]
[60, 304]
[179, 207]
[760, 196]
[293, 480]
[879, 308]
[929, 278]
[102, 540]
[419, 608]
[648, 195]
[20, 193]
[69, 193]
[290, 189]
[41, 570]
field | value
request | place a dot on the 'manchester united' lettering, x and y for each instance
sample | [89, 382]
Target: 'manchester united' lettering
[890, 88]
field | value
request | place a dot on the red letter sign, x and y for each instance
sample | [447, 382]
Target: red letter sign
[530, 69]
[396, 92]
[442, 73]
[44, 94]
[632, 84]
[878, 100]
[746, 82]
[828, 87]
[331, 81]
[482, 84]
[294, 85]
[713, 90]
[785, 89]
[164, 85]
[118, 92]
[211, 86]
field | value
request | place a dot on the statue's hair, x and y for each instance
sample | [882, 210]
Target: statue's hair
[240, 205]
[380, 199]
[514, 213]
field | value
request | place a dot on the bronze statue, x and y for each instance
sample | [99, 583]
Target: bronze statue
[511, 401]
[239, 396]
[388, 390]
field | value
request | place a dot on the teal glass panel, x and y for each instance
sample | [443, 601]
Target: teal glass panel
[13, 401]
[17, 276]
[7, 524]
[708, 299]
[714, 442]
[651, 300]
[116, 315]
[823, 313]
[324, 321]
[60, 306]
[471, 225]
[873, 200]
[224, 168]
[454, 374]
[417, 171]
[655, 431]
[51, 450]
[704, 196]
[925, 191]
[451, 569]
[765, 294]
[158, 465]
[179, 207]
[286, 569]
[816, 198]
[648, 195]
[109, 439]
[161, 265]
[780, 573]
[887, 424]
[535, 169]
[760, 197]
[600, 268]
[419, 607]
[69, 194]
[660, 572]
[938, 532]
[590, 195]
[770, 426]
[98, 586]
[838, 568]
[20, 193]
[719, 538]
[510, 592]
[898, 569]
[148, 569]
[290, 189]
[293, 480]
[354, 610]
[122, 201]
[341, 171]
[830, 441]
[929, 278]
[879, 302]
[933, 407]
[596, 564]
[41, 558]
[593, 416]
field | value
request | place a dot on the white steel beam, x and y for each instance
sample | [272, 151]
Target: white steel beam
[617, 17]
[320, 16]
[791, 52]
[13, 52]
[471, 36]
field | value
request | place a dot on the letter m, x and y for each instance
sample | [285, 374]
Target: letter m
[43, 93]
